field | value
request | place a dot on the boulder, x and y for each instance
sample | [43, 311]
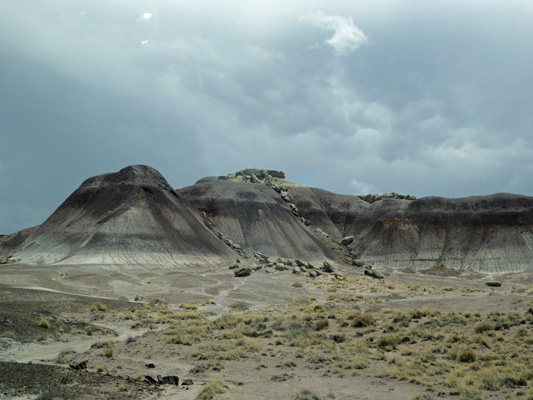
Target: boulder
[327, 267]
[347, 240]
[493, 284]
[148, 379]
[374, 274]
[358, 263]
[296, 270]
[187, 382]
[299, 263]
[80, 365]
[313, 273]
[242, 272]
[168, 380]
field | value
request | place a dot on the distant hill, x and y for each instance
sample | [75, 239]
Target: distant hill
[135, 217]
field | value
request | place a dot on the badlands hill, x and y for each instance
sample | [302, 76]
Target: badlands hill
[135, 217]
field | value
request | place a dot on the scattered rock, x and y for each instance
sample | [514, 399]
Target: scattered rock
[242, 272]
[493, 284]
[327, 267]
[374, 274]
[358, 263]
[296, 270]
[347, 240]
[257, 267]
[187, 382]
[313, 273]
[80, 365]
[299, 263]
[150, 365]
[372, 198]
[148, 379]
[168, 380]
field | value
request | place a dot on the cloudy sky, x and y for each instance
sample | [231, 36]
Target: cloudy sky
[417, 97]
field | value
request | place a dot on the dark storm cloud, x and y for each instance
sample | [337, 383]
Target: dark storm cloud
[426, 98]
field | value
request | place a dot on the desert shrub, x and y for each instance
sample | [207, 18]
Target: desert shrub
[321, 324]
[318, 358]
[99, 306]
[44, 322]
[239, 306]
[387, 342]
[338, 338]
[362, 321]
[403, 319]
[467, 356]
[483, 326]
[189, 306]
[210, 389]
[289, 364]
[108, 352]
[101, 345]
[91, 329]
[306, 395]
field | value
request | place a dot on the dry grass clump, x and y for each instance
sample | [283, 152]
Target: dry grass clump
[189, 306]
[99, 306]
[483, 326]
[466, 356]
[44, 322]
[211, 389]
[306, 395]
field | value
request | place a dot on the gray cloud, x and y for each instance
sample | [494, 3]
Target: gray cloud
[437, 102]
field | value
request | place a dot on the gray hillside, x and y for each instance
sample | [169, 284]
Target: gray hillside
[129, 217]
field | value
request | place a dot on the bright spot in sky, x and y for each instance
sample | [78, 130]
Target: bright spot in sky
[147, 15]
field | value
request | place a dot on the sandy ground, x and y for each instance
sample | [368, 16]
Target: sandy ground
[28, 293]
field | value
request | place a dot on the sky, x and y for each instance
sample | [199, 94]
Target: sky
[428, 98]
